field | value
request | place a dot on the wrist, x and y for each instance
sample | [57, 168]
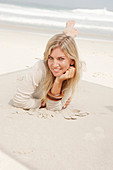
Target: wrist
[58, 80]
[55, 97]
[56, 89]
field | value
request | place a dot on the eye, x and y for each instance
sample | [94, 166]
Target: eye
[50, 58]
[61, 58]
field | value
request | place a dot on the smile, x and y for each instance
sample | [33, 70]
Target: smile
[56, 70]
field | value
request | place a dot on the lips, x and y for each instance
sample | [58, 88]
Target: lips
[56, 70]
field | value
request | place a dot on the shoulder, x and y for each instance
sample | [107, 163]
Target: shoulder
[39, 66]
[38, 70]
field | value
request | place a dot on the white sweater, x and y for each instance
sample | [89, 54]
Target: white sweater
[29, 93]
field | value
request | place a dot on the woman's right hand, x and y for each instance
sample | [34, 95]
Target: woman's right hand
[68, 74]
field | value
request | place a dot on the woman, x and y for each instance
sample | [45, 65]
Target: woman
[51, 82]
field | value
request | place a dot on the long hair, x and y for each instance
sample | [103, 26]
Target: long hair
[68, 46]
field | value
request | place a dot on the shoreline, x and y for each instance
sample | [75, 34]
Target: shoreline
[49, 31]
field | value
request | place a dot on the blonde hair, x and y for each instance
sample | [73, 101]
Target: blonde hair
[68, 46]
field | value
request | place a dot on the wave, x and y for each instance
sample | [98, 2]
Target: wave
[89, 14]
[86, 19]
[94, 14]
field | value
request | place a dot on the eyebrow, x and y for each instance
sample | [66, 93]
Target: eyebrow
[61, 56]
[57, 57]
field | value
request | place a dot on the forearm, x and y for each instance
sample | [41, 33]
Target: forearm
[25, 101]
[57, 85]
[59, 104]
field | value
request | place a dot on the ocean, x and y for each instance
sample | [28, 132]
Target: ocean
[91, 21]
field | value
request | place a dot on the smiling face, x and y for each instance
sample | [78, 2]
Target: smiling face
[58, 62]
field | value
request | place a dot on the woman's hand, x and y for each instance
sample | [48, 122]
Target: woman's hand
[67, 103]
[56, 89]
[67, 75]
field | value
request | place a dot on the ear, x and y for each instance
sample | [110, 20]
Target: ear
[72, 63]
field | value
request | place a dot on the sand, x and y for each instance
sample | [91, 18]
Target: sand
[24, 47]
[45, 140]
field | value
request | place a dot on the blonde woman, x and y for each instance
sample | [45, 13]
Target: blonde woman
[51, 82]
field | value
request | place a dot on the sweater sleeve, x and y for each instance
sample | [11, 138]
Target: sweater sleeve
[57, 105]
[23, 97]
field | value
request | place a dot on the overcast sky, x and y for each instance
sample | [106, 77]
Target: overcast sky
[79, 3]
[91, 4]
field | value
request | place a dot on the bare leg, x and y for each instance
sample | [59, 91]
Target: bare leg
[70, 30]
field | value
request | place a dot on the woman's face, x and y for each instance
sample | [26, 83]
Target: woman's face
[58, 62]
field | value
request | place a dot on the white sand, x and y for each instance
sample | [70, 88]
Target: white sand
[43, 139]
[20, 50]
[6, 162]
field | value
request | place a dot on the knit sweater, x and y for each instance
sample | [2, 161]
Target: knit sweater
[30, 90]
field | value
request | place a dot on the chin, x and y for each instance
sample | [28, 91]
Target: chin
[57, 74]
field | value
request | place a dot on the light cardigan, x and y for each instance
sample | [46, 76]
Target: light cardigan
[29, 92]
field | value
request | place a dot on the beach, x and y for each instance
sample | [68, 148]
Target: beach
[25, 45]
[45, 140]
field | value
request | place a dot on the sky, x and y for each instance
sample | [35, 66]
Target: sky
[100, 4]
[79, 3]
[88, 4]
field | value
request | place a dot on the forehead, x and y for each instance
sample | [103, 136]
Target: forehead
[57, 52]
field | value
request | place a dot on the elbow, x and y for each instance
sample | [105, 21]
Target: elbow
[53, 107]
[19, 104]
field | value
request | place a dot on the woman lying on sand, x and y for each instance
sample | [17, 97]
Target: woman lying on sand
[51, 82]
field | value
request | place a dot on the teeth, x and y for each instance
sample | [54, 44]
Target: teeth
[56, 69]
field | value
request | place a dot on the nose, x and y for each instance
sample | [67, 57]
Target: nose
[55, 63]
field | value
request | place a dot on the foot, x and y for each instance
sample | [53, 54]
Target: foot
[70, 24]
[70, 30]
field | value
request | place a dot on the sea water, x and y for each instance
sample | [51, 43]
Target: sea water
[90, 22]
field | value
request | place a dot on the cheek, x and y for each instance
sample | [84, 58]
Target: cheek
[66, 64]
[49, 64]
